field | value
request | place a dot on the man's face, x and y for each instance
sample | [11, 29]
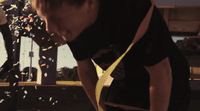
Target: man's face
[67, 21]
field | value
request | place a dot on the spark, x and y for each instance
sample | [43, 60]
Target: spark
[25, 92]
[14, 84]
[21, 17]
[43, 65]
[1, 100]
[64, 38]
[50, 99]
[31, 20]
[52, 34]
[45, 75]
[50, 59]
[17, 40]
[50, 47]
[36, 87]
[16, 33]
[41, 22]
[30, 15]
[47, 66]
[17, 27]
[2, 5]
[28, 28]
[43, 57]
[39, 28]
[17, 76]
[32, 35]
[15, 64]
[40, 98]
[24, 96]
[54, 102]
[29, 80]
[44, 49]
[14, 6]
[8, 95]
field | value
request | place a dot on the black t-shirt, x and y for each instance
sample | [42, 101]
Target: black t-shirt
[113, 32]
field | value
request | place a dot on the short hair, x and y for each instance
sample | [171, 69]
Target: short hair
[52, 4]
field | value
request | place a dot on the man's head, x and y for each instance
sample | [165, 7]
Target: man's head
[68, 18]
[52, 4]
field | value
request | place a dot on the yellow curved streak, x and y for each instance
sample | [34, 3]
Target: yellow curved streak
[104, 77]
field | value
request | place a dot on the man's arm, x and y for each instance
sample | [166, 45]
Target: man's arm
[160, 85]
[88, 76]
[4, 27]
[7, 41]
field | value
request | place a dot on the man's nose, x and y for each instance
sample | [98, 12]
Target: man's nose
[53, 28]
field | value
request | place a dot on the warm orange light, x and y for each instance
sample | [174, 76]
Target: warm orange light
[2, 1]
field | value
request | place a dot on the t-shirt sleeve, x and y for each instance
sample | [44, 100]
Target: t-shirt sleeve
[79, 49]
[156, 44]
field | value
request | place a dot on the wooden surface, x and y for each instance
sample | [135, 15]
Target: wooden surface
[178, 2]
[184, 26]
[58, 83]
[69, 97]
[65, 96]
[182, 19]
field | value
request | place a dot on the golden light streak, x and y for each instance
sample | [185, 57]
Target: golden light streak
[2, 1]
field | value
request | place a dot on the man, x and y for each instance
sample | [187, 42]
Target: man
[8, 42]
[153, 75]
